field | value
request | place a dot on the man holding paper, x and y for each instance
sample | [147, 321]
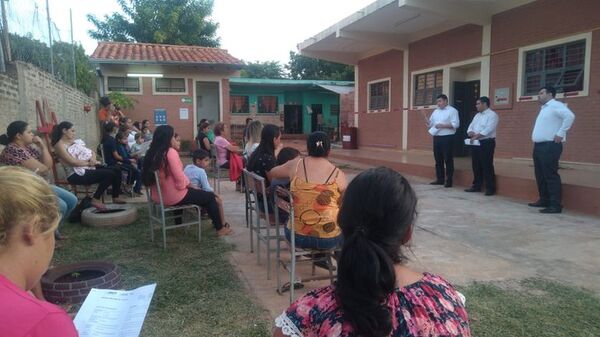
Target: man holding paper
[482, 138]
[442, 124]
[549, 132]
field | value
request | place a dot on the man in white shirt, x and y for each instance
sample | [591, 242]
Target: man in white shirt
[549, 132]
[442, 124]
[483, 129]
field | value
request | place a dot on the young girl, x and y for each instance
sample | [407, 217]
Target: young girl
[196, 173]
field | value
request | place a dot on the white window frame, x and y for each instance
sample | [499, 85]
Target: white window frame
[586, 67]
[369, 83]
[140, 81]
[160, 93]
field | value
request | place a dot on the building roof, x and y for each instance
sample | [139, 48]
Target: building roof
[284, 82]
[394, 24]
[150, 53]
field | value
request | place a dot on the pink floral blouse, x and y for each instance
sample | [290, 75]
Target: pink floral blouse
[429, 307]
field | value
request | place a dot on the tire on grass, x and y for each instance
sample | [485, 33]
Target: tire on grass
[120, 215]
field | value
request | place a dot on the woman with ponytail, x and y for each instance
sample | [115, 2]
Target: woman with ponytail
[376, 295]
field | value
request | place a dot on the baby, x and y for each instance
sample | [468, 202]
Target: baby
[79, 151]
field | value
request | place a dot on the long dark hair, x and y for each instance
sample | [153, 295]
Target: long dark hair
[13, 129]
[57, 131]
[266, 146]
[156, 157]
[376, 217]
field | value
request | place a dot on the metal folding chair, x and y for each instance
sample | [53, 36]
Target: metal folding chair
[157, 214]
[262, 228]
[284, 201]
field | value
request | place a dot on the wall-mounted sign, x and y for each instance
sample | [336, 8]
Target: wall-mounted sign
[160, 116]
[184, 113]
[502, 98]
[186, 100]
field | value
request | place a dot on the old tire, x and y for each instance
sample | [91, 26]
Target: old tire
[75, 291]
[123, 215]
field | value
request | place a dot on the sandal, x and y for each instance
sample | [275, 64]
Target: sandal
[224, 231]
[286, 287]
[99, 206]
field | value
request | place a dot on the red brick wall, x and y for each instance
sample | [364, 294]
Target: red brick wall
[418, 137]
[529, 25]
[543, 20]
[384, 128]
[347, 108]
[455, 45]
[146, 103]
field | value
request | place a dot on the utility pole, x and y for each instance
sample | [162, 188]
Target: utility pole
[73, 49]
[50, 38]
[5, 33]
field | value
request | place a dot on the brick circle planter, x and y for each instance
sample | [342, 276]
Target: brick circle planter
[71, 283]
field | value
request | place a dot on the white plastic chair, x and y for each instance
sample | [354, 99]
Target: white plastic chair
[158, 214]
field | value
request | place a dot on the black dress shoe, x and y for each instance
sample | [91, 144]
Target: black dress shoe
[448, 184]
[488, 193]
[473, 189]
[436, 183]
[551, 210]
[538, 203]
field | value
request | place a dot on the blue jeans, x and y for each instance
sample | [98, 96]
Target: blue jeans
[311, 242]
[66, 202]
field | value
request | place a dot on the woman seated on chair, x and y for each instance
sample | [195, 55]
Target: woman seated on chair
[253, 130]
[376, 294]
[28, 220]
[222, 145]
[84, 172]
[25, 149]
[202, 138]
[316, 185]
[176, 189]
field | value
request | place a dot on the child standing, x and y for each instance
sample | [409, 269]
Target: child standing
[196, 173]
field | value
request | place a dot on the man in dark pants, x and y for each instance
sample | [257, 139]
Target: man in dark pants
[483, 130]
[549, 132]
[442, 124]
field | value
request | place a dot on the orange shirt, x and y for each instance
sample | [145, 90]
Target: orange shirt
[103, 115]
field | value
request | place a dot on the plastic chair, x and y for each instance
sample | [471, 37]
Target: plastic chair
[284, 201]
[157, 214]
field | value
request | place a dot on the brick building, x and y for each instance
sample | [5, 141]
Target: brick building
[177, 85]
[405, 52]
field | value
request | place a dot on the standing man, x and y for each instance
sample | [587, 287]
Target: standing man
[442, 126]
[549, 132]
[483, 129]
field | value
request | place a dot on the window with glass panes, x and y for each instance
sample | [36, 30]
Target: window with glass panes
[267, 104]
[124, 84]
[427, 87]
[169, 85]
[560, 66]
[239, 104]
[379, 95]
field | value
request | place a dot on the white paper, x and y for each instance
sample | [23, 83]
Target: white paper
[475, 142]
[114, 313]
[184, 113]
[433, 131]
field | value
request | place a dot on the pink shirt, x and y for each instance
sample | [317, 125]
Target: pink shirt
[174, 185]
[23, 315]
[221, 145]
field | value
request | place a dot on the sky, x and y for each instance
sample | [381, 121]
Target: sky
[251, 30]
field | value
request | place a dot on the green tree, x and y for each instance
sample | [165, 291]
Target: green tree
[27, 49]
[180, 22]
[306, 68]
[268, 69]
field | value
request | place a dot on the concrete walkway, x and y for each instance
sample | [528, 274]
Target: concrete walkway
[463, 236]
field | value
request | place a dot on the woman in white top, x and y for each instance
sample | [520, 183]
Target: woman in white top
[254, 130]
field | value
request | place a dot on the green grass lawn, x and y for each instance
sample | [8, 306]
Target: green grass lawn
[198, 293]
[531, 307]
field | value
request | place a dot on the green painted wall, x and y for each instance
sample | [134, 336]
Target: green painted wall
[305, 97]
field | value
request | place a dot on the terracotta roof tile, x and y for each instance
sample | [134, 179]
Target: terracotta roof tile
[127, 52]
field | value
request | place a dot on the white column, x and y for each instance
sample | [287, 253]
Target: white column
[405, 100]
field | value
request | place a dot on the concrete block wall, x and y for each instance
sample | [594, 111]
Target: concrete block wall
[24, 83]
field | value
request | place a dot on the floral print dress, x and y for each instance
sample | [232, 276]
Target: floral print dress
[430, 307]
